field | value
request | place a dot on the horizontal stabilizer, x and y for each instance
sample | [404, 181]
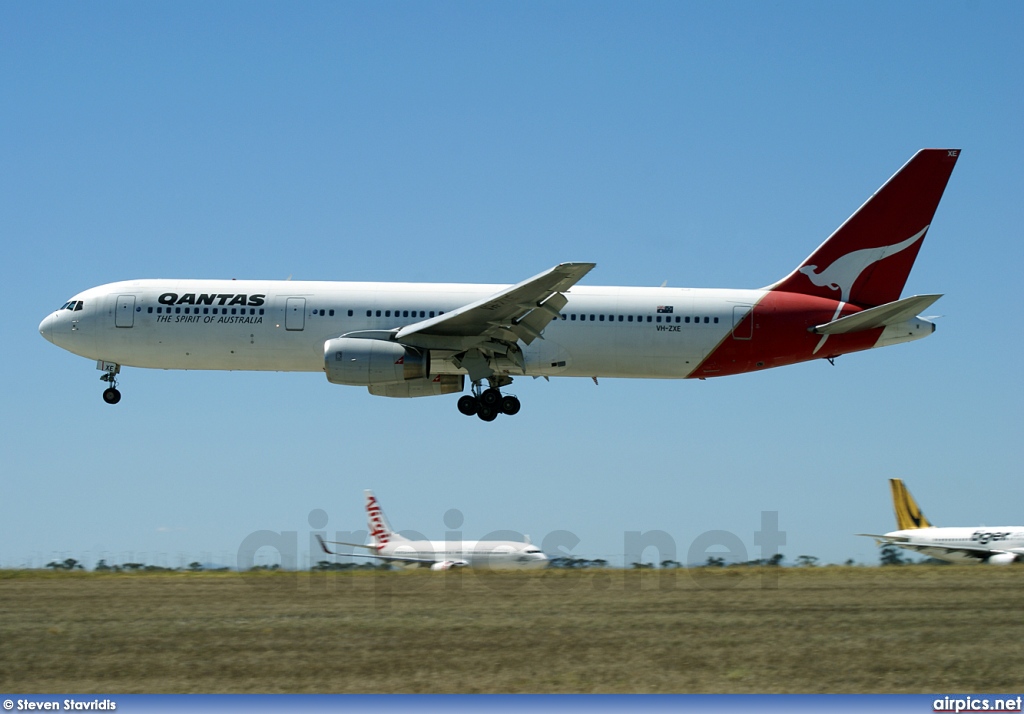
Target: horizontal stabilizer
[891, 313]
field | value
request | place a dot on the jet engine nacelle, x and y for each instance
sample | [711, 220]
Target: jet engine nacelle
[1001, 559]
[449, 565]
[365, 362]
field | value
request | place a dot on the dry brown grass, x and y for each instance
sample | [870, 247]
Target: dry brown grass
[909, 629]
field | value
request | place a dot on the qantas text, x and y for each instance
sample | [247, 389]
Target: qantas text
[210, 298]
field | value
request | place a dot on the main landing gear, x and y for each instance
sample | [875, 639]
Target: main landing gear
[487, 404]
[111, 395]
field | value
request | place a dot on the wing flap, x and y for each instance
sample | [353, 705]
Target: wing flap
[530, 326]
[889, 314]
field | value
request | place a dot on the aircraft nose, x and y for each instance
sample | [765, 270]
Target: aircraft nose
[46, 326]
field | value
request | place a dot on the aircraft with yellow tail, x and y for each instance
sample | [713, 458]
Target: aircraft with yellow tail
[993, 545]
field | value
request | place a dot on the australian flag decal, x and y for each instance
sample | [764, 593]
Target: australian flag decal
[664, 309]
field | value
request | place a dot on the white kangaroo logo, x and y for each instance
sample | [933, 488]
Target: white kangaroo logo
[844, 271]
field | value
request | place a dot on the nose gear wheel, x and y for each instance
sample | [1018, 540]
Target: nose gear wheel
[111, 395]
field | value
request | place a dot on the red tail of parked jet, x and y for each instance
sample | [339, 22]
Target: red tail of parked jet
[377, 523]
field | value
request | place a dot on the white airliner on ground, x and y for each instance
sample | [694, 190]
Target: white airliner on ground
[422, 339]
[995, 545]
[438, 555]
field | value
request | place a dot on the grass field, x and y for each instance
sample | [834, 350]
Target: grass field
[832, 629]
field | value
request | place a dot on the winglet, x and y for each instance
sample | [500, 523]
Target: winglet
[324, 545]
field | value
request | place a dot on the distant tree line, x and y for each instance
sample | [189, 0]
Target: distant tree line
[570, 563]
[893, 555]
[103, 567]
[68, 564]
[713, 561]
[888, 555]
[196, 567]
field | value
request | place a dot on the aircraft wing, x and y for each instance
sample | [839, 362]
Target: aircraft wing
[400, 558]
[519, 312]
[323, 544]
[936, 550]
[887, 539]
[930, 548]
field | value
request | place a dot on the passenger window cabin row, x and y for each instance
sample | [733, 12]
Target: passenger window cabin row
[677, 319]
[571, 317]
[401, 313]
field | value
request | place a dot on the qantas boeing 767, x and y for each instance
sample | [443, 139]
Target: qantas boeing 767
[423, 339]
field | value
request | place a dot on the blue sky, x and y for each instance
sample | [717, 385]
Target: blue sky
[706, 145]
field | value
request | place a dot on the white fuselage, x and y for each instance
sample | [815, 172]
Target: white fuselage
[493, 554]
[935, 542]
[601, 331]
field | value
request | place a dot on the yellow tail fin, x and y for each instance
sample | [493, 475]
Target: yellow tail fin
[908, 514]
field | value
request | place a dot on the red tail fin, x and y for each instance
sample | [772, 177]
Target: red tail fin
[868, 258]
[380, 529]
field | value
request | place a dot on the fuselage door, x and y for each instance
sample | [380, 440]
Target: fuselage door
[295, 313]
[742, 329]
[124, 311]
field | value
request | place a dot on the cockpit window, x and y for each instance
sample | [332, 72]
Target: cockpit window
[78, 305]
[73, 305]
[532, 550]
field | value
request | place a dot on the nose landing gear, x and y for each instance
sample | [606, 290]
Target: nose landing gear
[111, 395]
[488, 403]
